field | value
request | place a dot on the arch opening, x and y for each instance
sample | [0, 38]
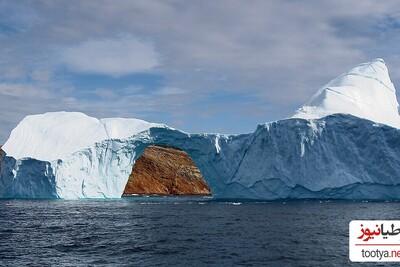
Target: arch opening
[165, 171]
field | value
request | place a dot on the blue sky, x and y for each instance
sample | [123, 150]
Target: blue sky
[200, 66]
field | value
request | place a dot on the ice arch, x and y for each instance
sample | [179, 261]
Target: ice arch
[294, 158]
[102, 170]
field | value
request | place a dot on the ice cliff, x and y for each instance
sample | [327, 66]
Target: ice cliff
[344, 144]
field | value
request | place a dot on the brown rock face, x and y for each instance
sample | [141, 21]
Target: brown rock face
[165, 171]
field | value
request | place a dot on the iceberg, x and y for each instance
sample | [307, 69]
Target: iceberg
[343, 144]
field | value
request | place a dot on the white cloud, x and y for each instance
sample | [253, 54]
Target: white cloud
[23, 91]
[279, 52]
[16, 18]
[166, 91]
[115, 57]
[41, 75]
[105, 93]
[11, 73]
[20, 99]
[70, 101]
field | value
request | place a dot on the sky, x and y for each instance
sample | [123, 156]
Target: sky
[199, 66]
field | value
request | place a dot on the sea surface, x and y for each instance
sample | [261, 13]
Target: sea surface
[181, 231]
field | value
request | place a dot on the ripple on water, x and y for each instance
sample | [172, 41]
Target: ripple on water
[183, 232]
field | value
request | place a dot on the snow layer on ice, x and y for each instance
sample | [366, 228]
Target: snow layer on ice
[365, 91]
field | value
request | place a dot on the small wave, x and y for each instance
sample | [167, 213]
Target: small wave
[151, 203]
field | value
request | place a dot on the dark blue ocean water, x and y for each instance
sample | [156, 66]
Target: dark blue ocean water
[180, 232]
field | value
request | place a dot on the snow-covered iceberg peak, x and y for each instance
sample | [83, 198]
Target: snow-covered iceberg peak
[55, 135]
[365, 91]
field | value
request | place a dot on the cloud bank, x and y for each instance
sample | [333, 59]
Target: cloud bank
[115, 57]
[198, 65]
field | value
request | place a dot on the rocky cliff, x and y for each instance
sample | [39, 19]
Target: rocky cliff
[165, 171]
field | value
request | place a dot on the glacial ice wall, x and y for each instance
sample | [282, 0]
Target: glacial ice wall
[340, 156]
[26, 178]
